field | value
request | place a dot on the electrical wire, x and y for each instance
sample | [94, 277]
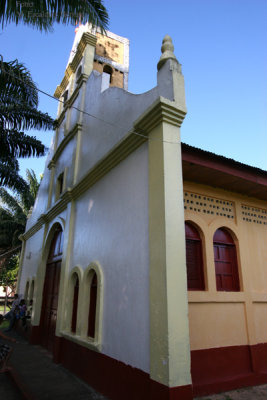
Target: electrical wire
[86, 113]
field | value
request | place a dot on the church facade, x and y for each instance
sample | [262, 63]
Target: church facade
[145, 258]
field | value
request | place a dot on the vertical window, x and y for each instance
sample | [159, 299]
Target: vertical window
[194, 259]
[65, 96]
[60, 185]
[108, 70]
[225, 261]
[31, 292]
[26, 293]
[79, 72]
[75, 304]
[92, 306]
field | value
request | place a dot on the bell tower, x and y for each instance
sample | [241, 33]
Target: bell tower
[92, 50]
[112, 57]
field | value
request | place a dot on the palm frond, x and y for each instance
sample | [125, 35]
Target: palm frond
[16, 83]
[32, 182]
[42, 14]
[18, 144]
[10, 201]
[10, 178]
[20, 116]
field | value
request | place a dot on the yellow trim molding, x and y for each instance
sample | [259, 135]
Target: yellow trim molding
[87, 39]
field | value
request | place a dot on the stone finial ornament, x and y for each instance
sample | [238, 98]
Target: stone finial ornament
[167, 51]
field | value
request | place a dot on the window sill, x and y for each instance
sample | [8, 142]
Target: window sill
[85, 342]
[216, 297]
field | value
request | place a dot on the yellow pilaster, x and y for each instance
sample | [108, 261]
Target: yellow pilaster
[169, 330]
[65, 267]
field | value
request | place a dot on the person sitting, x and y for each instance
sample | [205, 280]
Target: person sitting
[11, 315]
[22, 311]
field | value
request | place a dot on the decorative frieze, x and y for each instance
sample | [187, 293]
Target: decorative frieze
[208, 205]
[254, 214]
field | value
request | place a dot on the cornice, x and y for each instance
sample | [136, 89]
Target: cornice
[82, 78]
[35, 228]
[113, 158]
[63, 144]
[87, 39]
[68, 104]
[162, 110]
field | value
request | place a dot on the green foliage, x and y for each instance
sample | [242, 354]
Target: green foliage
[43, 14]
[8, 274]
[4, 325]
[18, 112]
[13, 217]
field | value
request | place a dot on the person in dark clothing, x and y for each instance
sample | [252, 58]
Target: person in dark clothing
[5, 350]
[11, 315]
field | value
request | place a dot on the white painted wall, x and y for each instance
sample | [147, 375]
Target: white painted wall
[32, 255]
[111, 222]
[113, 113]
[112, 227]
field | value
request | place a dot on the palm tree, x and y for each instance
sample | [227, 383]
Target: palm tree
[13, 217]
[14, 210]
[43, 14]
[18, 112]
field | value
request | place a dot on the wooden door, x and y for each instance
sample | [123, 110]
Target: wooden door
[92, 307]
[51, 291]
[194, 259]
[225, 259]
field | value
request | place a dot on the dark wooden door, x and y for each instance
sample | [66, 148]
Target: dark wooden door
[194, 265]
[51, 291]
[226, 267]
[92, 307]
[194, 259]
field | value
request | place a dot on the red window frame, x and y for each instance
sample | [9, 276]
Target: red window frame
[225, 259]
[75, 305]
[92, 306]
[194, 259]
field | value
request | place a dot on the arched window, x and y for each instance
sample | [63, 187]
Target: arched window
[26, 293]
[194, 259]
[108, 70]
[75, 303]
[92, 306]
[225, 261]
[51, 290]
[31, 292]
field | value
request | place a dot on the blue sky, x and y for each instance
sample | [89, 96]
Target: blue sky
[221, 45]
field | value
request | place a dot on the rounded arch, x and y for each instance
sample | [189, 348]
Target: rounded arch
[58, 225]
[223, 235]
[196, 226]
[94, 266]
[73, 295]
[92, 289]
[76, 270]
[194, 256]
[226, 260]
[229, 226]
[51, 271]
